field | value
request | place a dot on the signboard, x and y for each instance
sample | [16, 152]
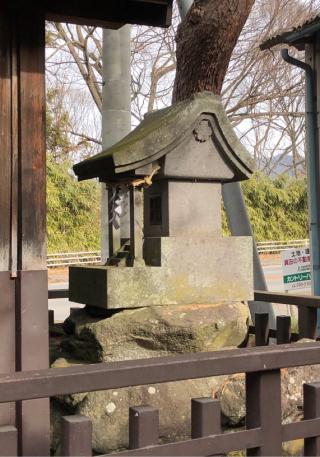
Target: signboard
[296, 268]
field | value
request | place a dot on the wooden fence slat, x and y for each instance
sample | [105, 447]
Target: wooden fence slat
[205, 417]
[58, 293]
[283, 329]
[311, 408]
[263, 406]
[8, 441]
[76, 436]
[143, 426]
[262, 329]
[307, 322]
[51, 316]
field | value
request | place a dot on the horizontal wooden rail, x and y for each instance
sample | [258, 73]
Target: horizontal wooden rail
[209, 445]
[88, 378]
[309, 301]
[229, 441]
[303, 429]
[58, 293]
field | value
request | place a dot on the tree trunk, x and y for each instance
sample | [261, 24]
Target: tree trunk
[205, 41]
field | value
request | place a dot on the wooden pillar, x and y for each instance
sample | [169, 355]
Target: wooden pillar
[7, 285]
[23, 210]
[263, 406]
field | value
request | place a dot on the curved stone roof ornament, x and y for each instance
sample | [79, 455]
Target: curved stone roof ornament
[163, 132]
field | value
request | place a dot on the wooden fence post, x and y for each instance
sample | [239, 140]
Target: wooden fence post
[143, 426]
[8, 441]
[261, 323]
[205, 417]
[307, 322]
[311, 408]
[283, 329]
[76, 436]
[263, 409]
[51, 316]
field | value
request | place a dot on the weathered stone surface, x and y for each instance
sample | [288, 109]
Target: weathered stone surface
[232, 401]
[109, 410]
[142, 333]
[159, 131]
[155, 331]
[184, 173]
[187, 275]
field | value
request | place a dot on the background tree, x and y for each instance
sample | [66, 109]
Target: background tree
[205, 41]
[72, 208]
[263, 96]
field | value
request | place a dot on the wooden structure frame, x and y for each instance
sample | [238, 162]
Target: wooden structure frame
[23, 276]
[264, 432]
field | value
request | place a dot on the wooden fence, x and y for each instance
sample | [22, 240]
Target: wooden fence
[264, 433]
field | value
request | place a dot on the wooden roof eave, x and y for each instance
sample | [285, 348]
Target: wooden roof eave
[109, 14]
[297, 37]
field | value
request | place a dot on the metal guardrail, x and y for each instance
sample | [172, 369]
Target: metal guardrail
[65, 259]
[273, 247]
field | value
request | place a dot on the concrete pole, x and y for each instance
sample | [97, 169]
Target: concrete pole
[116, 115]
[184, 6]
[240, 225]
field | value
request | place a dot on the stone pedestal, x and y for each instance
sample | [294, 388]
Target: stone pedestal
[184, 271]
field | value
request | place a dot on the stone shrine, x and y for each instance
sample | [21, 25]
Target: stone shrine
[173, 164]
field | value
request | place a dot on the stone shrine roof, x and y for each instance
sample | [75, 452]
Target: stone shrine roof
[159, 133]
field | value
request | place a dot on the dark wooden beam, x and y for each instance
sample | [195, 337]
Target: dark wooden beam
[308, 301]
[109, 14]
[7, 285]
[115, 375]
[31, 283]
[23, 276]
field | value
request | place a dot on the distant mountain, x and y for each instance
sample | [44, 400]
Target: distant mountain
[285, 165]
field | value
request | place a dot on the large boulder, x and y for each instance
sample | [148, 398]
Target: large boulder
[109, 410]
[155, 331]
[142, 333]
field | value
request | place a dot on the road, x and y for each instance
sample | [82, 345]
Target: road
[273, 275]
[61, 307]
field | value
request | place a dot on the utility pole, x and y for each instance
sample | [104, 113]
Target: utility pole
[184, 6]
[239, 222]
[116, 113]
